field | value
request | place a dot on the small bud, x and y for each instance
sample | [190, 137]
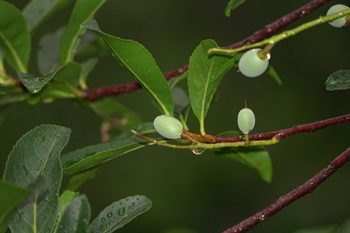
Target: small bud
[168, 126]
[251, 64]
[246, 120]
[340, 22]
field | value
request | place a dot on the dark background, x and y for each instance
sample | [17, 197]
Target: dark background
[206, 193]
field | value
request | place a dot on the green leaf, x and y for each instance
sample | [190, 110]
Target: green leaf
[64, 201]
[92, 156]
[339, 80]
[10, 196]
[120, 213]
[86, 67]
[136, 58]
[256, 158]
[35, 156]
[204, 75]
[76, 216]
[273, 74]
[83, 10]
[14, 37]
[34, 83]
[37, 11]
[80, 178]
[64, 83]
[233, 4]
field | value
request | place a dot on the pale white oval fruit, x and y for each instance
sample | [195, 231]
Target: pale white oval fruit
[168, 126]
[246, 120]
[340, 22]
[251, 65]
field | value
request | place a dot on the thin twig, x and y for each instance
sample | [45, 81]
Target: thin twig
[309, 127]
[209, 141]
[100, 92]
[285, 200]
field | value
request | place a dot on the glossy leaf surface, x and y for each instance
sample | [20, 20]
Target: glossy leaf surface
[136, 58]
[83, 10]
[204, 75]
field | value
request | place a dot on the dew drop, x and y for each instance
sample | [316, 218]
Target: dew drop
[121, 211]
[197, 151]
[110, 214]
[35, 91]
[103, 219]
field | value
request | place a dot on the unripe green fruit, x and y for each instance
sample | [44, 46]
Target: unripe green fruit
[168, 126]
[251, 65]
[340, 22]
[246, 120]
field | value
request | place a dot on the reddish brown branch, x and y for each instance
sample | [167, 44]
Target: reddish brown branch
[285, 200]
[281, 23]
[100, 92]
[309, 127]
